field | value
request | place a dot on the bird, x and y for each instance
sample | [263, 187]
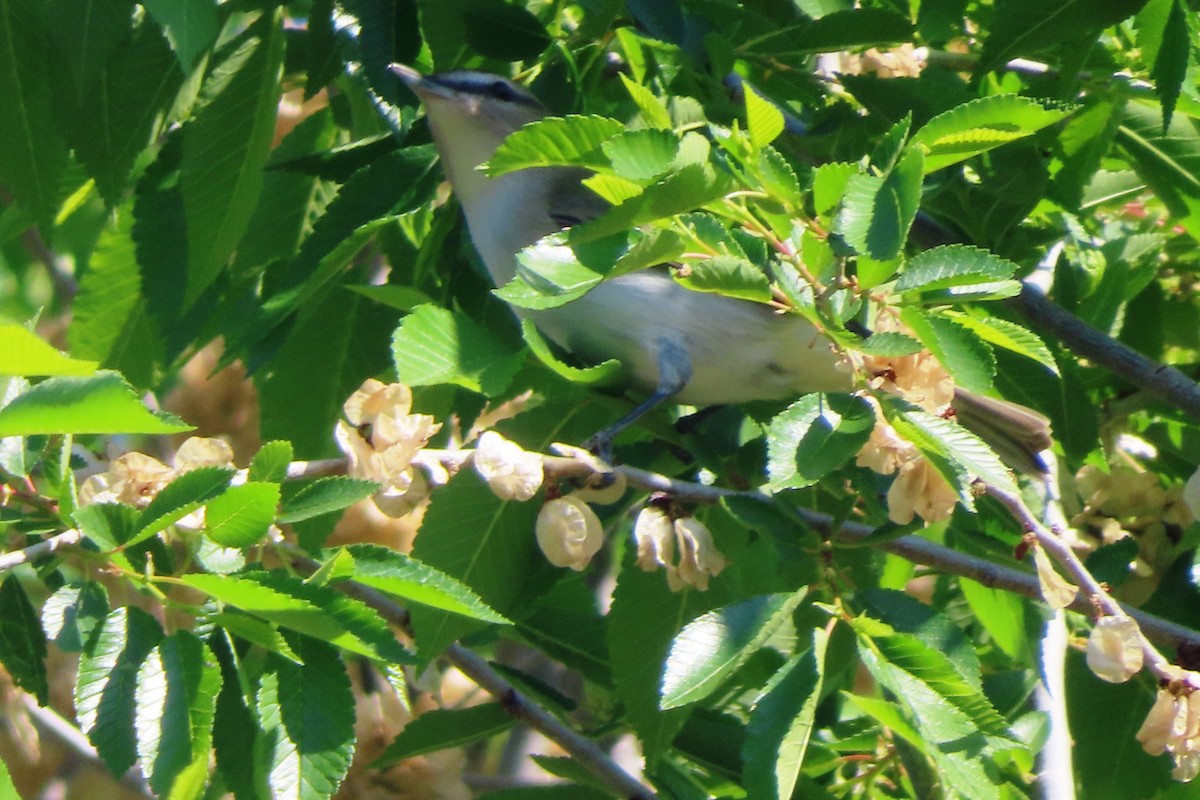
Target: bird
[695, 348]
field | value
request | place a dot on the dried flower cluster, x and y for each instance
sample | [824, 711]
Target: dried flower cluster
[380, 437]
[510, 472]
[682, 546]
[1057, 591]
[919, 489]
[905, 61]
[1114, 650]
[1125, 502]
[134, 478]
[1173, 725]
[567, 530]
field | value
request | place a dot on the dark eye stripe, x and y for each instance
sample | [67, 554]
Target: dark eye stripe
[489, 85]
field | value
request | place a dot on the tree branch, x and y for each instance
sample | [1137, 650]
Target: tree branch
[584, 751]
[50, 724]
[16, 558]
[1081, 338]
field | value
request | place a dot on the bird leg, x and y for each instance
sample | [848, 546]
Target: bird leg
[674, 371]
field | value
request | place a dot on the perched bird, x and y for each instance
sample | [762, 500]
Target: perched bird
[694, 347]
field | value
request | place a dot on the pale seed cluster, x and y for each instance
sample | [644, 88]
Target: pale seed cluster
[682, 546]
[1125, 502]
[380, 437]
[134, 478]
[1173, 725]
[919, 489]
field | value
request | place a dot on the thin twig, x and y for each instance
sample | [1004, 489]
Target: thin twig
[49, 723]
[1082, 339]
[35, 551]
[582, 750]
[1093, 594]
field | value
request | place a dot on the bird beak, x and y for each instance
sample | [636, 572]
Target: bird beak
[420, 85]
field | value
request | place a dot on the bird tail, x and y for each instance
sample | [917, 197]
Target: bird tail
[1017, 434]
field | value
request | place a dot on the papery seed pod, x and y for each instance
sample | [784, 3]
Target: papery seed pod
[1114, 649]
[699, 559]
[654, 534]
[569, 532]
[510, 472]
[1057, 591]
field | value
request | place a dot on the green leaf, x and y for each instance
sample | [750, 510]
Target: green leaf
[555, 141]
[778, 178]
[271, 462]
[23, 353]
[1025, 27]
[950, 735]
[958, 273]
[73, 613]
[263, 634]
[1110, 762]
[100, 403]
[933, 668]
[191, 26]
[316, 611]
[907, 615]
[1169, 163]
[324, 496]
[763, 120]
[641, 155]
[781, 724]
[107, 681]
[345, 334]
[966, 450]
[1002, 614]
[471, 535]
[713, 646]
[109, 525]
[176, 699]
[442, 728]
[855, 28]
[109, 292]
[292, 201]
[306, 721]
[32, 155]
[86, 34]
[550, 274]
[889, 343]
[183, 495]
[224, 150]
[980, 125]
[119, 116]
[654, 113]
[434, 345]
[814, 436]
[688, 188]
[877, 212]
[638, 643]
[1010, 336]
[366, 203]
[964, 355]
[606, 373]
[397, 574]
[1164, 39]
[829, 184]
[241, 515]
[731, 276]
[22, 641]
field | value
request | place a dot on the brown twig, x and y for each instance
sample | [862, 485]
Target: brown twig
[582, 750]
[1082, 339]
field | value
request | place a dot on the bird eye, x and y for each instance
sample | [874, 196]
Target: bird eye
[502, 91]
